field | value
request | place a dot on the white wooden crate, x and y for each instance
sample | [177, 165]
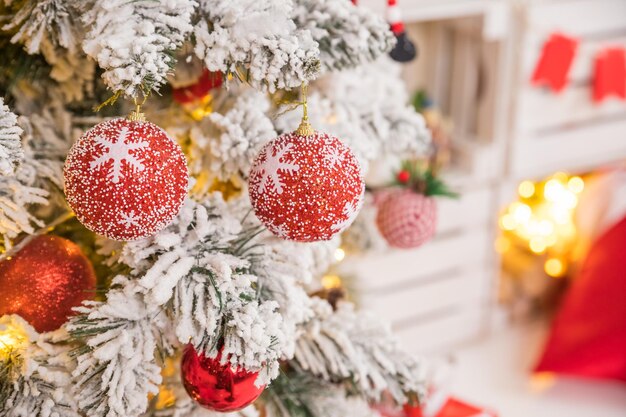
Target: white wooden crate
[567, 130]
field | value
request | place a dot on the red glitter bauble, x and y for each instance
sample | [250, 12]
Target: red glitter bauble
[44, 281]
[306, 188]
[215, 386]
[407, 219]
[125, 179]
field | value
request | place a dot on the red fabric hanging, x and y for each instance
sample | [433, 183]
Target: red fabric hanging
[555, 62]
[609, 76]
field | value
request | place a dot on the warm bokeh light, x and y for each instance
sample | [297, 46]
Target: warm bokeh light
[554, 267]
[331, 281]
[541, 221]
[340, 254]
[12, 340]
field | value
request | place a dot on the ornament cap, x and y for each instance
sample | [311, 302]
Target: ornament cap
[137, 115]
[305, 128]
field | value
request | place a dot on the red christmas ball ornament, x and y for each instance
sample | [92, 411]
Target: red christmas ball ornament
[125, 179]
[44, 281]
[207, 81]
[407, 219]
[306, 186]
[215, 386]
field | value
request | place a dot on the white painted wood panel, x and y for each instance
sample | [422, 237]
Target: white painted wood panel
[444, 332]
[471, 209]
[396, 267]
[466, 286]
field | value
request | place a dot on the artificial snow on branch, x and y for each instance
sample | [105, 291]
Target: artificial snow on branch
[134, 41]
[345, 345]
[226, 142]
[256, 41]
[11, 153]
[348, 36]
[36, 382]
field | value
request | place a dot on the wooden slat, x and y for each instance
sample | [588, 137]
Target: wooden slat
[575, 150]
[576, 17]
[469, 210]
[396, 267]
[443, 332]
[468, 286]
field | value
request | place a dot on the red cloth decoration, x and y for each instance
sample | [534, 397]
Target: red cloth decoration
[453, 407]
[588, 337]
[609, 74]
[555, 62]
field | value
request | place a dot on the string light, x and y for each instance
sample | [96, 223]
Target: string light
[542, 220]
[331, 281]
[13, 339]
[340, 254]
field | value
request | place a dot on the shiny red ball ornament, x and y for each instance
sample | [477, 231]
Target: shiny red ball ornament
[207, 81]
[44, 281]
[407, 219]
[306, 187]
[125, 179]
[215, 386]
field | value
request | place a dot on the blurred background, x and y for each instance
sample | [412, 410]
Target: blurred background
[520, 299]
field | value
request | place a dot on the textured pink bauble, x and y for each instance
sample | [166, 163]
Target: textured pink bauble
[44, 281]
[306, 188]
[407, 219]
[125, 179]
[215, 386]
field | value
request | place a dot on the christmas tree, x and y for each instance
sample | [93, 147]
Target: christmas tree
[162, 256]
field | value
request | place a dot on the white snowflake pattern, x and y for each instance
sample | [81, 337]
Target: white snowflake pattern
[279, 230]
[129, 219]
[118, 151]
[270, 167]
[350, 210]
[334, 157]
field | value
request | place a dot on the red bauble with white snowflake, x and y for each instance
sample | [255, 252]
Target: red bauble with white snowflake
[217, 386]
[125, 179]
[407, 219]
[306, 186]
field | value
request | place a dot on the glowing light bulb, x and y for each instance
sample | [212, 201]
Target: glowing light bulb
[331, 281]
[12, 339]
[522, 213]
[576, 184]
[340, 254]
[554, 267]
[553, 190]
[537, 245]
[508, 222]
[526, 189]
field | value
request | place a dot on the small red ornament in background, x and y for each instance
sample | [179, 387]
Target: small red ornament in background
[215, 386]
[125, 179]
[306, 187]
[407, 219]
[555, 62]
[609, 76]
[207, 81]
[44, 281]
[404, 176]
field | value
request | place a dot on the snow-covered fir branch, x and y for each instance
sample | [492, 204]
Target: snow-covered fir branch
[347, 35]
[134, 41]
[11, 153]
[116, 367]
[46, 24]
[46, 138]
[38, 383]
[346, 345]
[256, 41]
[226, 142]
[301, 394]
